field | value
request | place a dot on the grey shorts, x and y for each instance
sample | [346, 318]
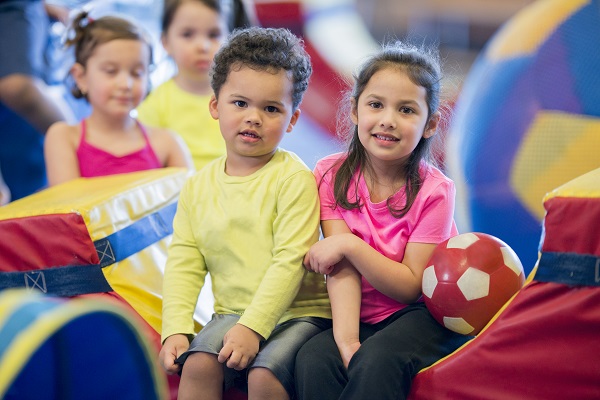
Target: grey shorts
[278, 353]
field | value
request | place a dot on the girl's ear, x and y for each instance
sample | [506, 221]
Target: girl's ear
[212, 107]
[78, 74]
[163, 41]
[432, 125]
[353, 111]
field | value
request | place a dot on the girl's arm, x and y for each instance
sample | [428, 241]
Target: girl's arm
[400, 281]
[59, 154]
[344, 288]
[179, 155]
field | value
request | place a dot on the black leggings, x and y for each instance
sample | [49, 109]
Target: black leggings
[391, 354]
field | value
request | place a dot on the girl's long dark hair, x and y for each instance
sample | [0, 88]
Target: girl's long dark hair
[423, 68]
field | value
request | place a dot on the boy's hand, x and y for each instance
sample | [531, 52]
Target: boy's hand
[240, 346]
[173, 347]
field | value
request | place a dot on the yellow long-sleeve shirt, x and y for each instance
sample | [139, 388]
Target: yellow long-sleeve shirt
[251, 234]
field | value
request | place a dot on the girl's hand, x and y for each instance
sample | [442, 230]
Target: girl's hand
[173, 347]
[347, 350]
[323, 255]
[240, 346]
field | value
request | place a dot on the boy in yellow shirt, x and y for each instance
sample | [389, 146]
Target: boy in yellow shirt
[248, 219]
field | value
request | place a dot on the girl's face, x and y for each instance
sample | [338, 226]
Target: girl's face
[115, 77]
[194, 36]
[391, 115]
[254, 110]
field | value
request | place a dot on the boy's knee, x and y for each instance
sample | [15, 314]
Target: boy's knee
[263, 384]
[261, 376]
[200, 363]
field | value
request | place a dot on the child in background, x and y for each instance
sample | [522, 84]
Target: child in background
[192, 32]
[250, 231]
[384, 208]
[112, 57]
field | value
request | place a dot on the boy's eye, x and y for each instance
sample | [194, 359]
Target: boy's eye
[240, 103]
[271, 109]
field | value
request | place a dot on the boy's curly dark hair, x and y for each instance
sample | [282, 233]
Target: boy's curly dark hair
[263, 49]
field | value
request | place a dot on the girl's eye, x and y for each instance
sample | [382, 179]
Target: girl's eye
[406, 110]
[271, 109]
[375, 104]
[215, 35]
[138, 73]
[240, 103]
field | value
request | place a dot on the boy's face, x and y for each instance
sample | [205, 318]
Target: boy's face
[254, 110]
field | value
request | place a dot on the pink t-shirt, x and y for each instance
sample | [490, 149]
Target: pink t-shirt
[97, 162]
[430, 220]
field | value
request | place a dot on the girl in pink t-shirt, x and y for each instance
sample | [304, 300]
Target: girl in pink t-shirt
[112, 58]
[384, 208]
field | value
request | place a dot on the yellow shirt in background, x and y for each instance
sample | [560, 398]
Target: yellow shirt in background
[168, 106]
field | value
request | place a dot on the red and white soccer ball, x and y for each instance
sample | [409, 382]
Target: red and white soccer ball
[468, 279]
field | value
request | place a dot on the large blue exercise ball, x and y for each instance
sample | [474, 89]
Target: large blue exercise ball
[527, 120]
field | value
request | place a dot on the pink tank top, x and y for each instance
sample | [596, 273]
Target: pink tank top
[97, 162]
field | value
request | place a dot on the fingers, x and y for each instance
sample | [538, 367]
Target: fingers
[224, 354]
[167, 360]
[173, 347]
[238, 361]
[306, 262]
[234, 359]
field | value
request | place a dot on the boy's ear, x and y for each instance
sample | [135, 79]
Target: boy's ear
[432, 125]
[293, 120]
[353, 111]
[212, 107]
[78, 74]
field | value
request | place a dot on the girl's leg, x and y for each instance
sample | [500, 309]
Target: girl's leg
[262, 384]
[201, 377]
[320, 373]
[387, 361]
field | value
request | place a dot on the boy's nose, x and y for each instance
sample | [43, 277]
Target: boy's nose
[253, 117]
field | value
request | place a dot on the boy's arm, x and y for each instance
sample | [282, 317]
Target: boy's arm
[295, 229]
[185, 270]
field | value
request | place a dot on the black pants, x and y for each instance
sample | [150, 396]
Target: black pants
[391, 354]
